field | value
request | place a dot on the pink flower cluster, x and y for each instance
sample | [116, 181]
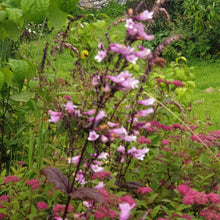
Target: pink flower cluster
[59, 209]
[13, 179]
[192, 196]
[4, 198]
[42, 205]
[209, 214]
[101, 175]
[102, 212]
[177, 83]
[144, 190]
[34, 183]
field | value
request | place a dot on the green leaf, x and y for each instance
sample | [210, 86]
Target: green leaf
[180, 91]
[22, 97]
[67, 5]
[20, 69]
[35, 10]
[15, 15]
[8, 74]
[89, 148]
[1, 79]
[181, 74]
[12, 30]
[3, 32]
[100, 24]
[192, 83]
[2, 16]
[155, 211]
[56, 17]
[152, 198]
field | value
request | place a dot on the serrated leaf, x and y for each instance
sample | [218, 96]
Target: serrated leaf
[22, 97]
[15, 15]
[20, 69]
[35, 10]
[12, 30]
[67, 5]
[56, 17]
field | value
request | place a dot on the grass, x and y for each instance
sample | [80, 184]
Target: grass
[207, 104]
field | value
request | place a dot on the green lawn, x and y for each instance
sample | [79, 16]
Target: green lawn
[205, 104]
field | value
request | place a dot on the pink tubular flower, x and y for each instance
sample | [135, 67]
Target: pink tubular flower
[70, 107]
[129, 138]
[54, 116]
[129, 23]
[93, 136]
[90, 112]
[96, 168]
[112, 125]
[13, 179]
[103, 155]
[101, 55]
[34, 183]
[99, 186]
[4, 198]
[104, 139]
[74, 160]
[144, 113]
[143, 53]
[42, 205]
[125, 80]
[121, 149]
[147, 102]
[80, 178]
[145, 15]
[144, 190]
[118, 131]
[125, 210]
[68, 97]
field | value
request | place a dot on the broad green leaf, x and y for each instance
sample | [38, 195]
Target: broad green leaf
[192, 83]
[181, 74]
[100, 24]
[56, 17]
[20, 69]
[12, 30]
[3, 32]
[1, 79]
[8, 74]
[15, 15]
[35, 10]
[180, 91]
[22, 97]
[2, 16]
[89, 148]
[67, 5]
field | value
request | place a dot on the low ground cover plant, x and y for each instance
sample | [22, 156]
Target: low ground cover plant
[112, 139]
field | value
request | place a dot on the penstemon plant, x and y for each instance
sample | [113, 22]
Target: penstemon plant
[124, 159]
